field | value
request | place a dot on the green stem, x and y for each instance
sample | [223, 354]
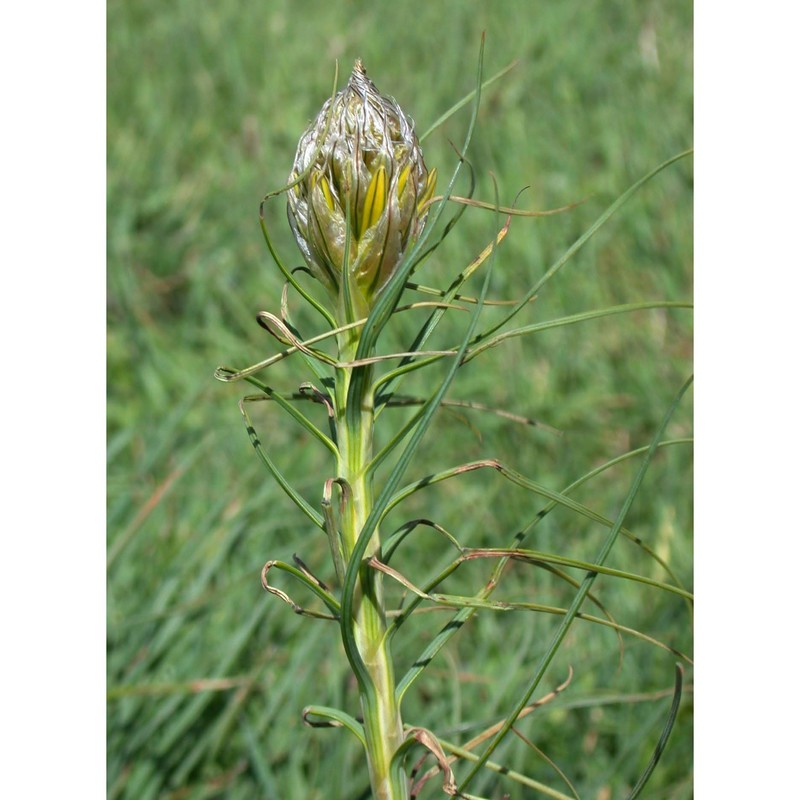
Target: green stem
[383, 726]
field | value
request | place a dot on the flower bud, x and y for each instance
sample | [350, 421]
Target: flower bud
[364, 188]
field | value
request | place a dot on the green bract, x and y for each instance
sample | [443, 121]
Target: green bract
[361, 188]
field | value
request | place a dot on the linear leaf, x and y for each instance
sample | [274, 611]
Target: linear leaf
[297, 498]
[662, 741]
[582, 592]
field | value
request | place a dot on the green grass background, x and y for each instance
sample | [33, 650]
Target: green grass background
[207, 675]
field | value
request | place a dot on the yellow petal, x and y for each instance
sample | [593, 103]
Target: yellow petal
[430, 186]
[375, 201]
[402, 178]
[326, 190]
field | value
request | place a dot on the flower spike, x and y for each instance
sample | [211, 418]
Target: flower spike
[365, 192]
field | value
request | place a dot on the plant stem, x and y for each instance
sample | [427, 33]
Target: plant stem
[383, 725]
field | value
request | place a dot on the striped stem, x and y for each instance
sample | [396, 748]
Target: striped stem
[383, 726]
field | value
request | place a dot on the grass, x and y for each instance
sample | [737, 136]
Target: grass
[208, 675]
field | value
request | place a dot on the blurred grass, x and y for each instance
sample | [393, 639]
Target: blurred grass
[207, 675]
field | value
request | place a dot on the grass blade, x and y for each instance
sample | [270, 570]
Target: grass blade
[582, 592]
[662, 741]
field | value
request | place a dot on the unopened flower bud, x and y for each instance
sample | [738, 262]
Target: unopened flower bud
[364, 188]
